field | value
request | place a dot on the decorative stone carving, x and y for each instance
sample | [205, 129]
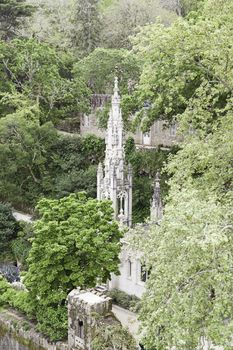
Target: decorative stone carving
[116, 178]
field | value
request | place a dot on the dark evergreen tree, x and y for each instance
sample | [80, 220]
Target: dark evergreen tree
[87, 26]
[8, 228]
[12, 15]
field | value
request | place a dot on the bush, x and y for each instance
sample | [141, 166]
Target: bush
[17, 299]
[129, 302]
[112, 336]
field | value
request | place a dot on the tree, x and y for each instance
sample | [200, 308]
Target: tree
[186, 62]
[100, 67]
[12, 16]
[76, 244]
[112, 336]
[75, 164]
[86, 26]
[24, 155]
[145, 164]
[8, 228]
[122, 18]
[21, 245]
[51, 23]
[183, 7]
[43, 76]
[189, 291]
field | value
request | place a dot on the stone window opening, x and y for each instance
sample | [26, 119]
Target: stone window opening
[146, 138]
[173, 128]
[80, 329]
[144, 272]
[129, 268]
[86, 120]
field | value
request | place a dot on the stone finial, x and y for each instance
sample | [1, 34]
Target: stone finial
[156, 206]
[116, 88]
[116, 96]
[130, 169]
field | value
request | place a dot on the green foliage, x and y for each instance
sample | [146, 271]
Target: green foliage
[145, 164]
[8, 229]
[189, 292]
[87, 26]
[43, 76]
[51, 23]
[187, 62]
[14, 298]
[24, 154]
[12, 15]
[190, 284]
[37, 162]
[122, 18]
[22, 244]
[187, 6]
[75, 164]
[112, 337]
[76, 243]
[100, 67]
[130, 302]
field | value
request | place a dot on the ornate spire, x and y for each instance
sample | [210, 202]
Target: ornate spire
[156, 211]
[116, 96]
[117, 179]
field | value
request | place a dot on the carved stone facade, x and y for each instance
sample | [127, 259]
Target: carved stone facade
[114, 180]
[133, 273]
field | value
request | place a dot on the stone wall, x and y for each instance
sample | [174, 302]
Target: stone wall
[159, 135]
[16, 333]
[83, 306]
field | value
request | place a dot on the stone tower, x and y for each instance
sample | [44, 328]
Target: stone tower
[156, 210]
[114, 181]
[84, 307]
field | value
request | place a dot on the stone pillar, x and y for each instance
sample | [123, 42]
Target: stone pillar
[156, 210]
[130, 196]
[82, 306]
[99, 181]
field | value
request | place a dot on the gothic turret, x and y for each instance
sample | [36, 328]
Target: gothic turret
[115, 180]
[156, 210]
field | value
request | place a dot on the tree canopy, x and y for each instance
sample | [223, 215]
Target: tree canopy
[8, 229]
[42, 75]
[100, 67]
[12, 16]
[189, 291]
[76, 244]
[187, 62]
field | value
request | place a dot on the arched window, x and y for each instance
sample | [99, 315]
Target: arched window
[143, 273]
[129, 268]
[146, 138]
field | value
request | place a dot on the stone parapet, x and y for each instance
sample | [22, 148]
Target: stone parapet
[83, 308]
[15, 334]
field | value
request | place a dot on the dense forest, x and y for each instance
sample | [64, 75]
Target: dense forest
[175, 56]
